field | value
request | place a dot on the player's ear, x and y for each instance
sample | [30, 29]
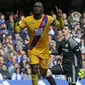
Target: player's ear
[70, 30]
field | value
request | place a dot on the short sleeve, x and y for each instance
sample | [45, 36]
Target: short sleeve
[22, 25]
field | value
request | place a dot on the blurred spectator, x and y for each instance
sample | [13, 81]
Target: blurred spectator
[65, 19]
[5, 74]
[82, 47]
[25, 45]
[1, 77]
[1, 50]
[12, 64]
[2, 18]
[3, 34]
[82, 23]
[27, 75]
[76, 17]
[53, 14]
[10, 24]
[1, 62]
[52, 43]
[17, 75]
[59, 38]
[24, 34]
[51, 31]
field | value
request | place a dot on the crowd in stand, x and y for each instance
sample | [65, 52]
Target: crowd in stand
[14, 57]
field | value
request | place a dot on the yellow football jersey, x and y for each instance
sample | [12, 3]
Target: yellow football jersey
[34, 29]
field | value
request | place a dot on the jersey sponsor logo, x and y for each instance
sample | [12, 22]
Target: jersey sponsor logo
[38, 31]
[66, 50]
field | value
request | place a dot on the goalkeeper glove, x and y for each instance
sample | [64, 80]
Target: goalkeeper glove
[81, 74]
[50, 52]
[55, 52]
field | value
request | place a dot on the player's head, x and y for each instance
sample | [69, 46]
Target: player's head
[38, 8]
[67, 30]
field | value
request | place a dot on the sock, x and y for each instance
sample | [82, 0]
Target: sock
[51, 80]
[35, 79]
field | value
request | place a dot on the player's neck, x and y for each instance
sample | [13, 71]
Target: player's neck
[67, 36]
[37, 16]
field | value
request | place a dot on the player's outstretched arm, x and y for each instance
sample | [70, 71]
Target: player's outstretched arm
[20, 26]
[60, 22]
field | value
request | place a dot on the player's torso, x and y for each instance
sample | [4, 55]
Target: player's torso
[68, 54]
[34, 29]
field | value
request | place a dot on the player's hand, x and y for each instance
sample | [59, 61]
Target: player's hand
[81, 74]
[16, 16]
[59, 11]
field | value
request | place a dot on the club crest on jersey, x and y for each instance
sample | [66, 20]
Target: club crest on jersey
[66, 45]
[43, 23]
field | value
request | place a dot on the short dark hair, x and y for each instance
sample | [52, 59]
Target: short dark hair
[39, 2]
[68, 26]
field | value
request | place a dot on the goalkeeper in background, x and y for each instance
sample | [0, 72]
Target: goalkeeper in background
[72, 60]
